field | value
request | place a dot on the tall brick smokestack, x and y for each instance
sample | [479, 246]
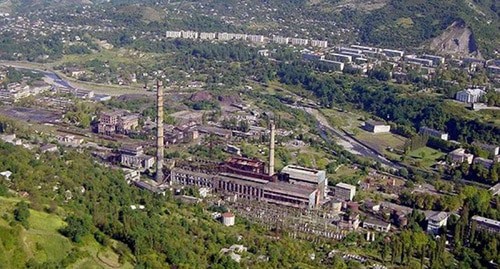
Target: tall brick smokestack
[159, 131]
[271, 149]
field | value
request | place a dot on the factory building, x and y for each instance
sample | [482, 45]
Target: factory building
[344, 192]
[306, 176]
[252, 180]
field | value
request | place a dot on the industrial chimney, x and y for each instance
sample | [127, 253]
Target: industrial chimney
[271, 150]
[159, 132]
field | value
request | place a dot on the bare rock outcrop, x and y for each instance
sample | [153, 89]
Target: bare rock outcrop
[458, 39]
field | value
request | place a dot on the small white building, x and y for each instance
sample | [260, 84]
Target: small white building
[228, 219]
[470, 95]
[435, 221]
[377, 127]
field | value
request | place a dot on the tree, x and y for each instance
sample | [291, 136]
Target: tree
[77, 228]
[22, 213]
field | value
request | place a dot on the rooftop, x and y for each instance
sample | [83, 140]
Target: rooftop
[290, 189]
[486, 220]
[345, 186]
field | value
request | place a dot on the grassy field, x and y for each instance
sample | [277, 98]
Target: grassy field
[425, 157]
[381, 141]
[42, 242]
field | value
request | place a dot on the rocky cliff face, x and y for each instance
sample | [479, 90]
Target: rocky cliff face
[457, 39]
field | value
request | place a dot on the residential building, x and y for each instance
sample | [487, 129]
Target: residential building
[377, 225]
[334, 65]
[340, 57]
[485, 224]
[299, 41]
[492, 149]
[189, 34]
[312, 56]
[484, 162]
[434, 133]
[393, 53]
[435, 221]
[207, 36]
[419, 61]
[319, 43]
[470, 95]
[280, 40]
[459, 156]
[255, 38]
[377, 127]
[344, 191]
[173, 34]
[436, 60]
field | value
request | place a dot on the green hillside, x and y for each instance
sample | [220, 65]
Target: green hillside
[42, 243]
[411, 23]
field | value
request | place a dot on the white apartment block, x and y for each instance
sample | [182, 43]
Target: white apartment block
[189, 34]
[319, 43]
[299, 41]
[207, 36]
[173, 34]
[255, 38]
[470, 95]
[280, 39]
[223, 36]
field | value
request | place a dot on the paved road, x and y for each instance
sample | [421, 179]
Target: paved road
[345, 141]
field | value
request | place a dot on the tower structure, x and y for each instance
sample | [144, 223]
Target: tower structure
[271, 149]
[159, 131]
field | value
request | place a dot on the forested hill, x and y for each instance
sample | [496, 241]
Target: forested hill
[414, 22]
[401, 24]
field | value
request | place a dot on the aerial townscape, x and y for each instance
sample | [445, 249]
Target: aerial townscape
[250, 134]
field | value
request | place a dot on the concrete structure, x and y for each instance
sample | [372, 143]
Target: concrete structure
[393, 53]
[310, 56]
[377, 127]
[377, 225]
[299, 41]
[419, 61]
[228, 219]
[306, 176]
[436, 60]
[133, 157]
[486, 163]
[319, 43]
[364, 48]
[470, 95]
[271, 149]
[280, 40]
[255, 38]
[49, 148]
[208, 36]
[189, 34]
[459, 156]
[485, 224]
[159, 131]
[340, 57]
[344, 192]
[434, 133]
[492, 149]
[173, 34]
[334, 65]
[435, 221]
[495, 190]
